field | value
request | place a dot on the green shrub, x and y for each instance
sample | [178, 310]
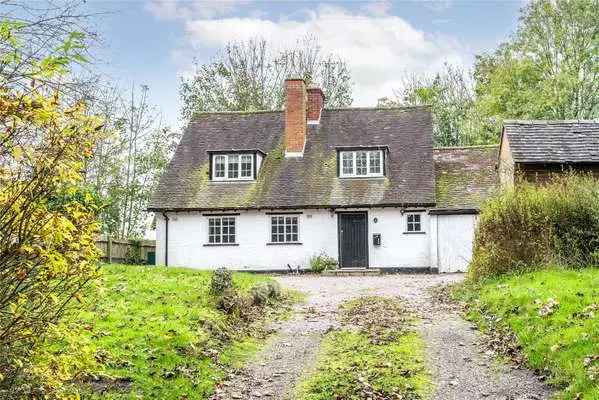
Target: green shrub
[263, 291]
[322, 262]
[530, 226]
[222, 279]
[274, 289]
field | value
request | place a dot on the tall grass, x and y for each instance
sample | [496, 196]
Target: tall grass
[529, 226]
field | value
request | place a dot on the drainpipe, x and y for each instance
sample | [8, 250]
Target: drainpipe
[165, 238]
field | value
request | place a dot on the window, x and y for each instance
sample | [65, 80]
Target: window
[221, 230]
[284, 229]
[219, 166]
[361, 163]
[232, 167]
[414, 224]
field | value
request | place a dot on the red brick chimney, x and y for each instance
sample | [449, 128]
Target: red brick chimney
[315, 104]
[295, 117]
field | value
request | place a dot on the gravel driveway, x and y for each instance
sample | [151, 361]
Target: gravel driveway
[461, 368]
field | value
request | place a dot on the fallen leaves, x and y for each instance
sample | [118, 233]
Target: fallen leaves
[547, 308]
[382, 319]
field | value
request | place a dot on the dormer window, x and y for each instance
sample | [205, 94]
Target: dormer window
[233, 166]
[361, 163]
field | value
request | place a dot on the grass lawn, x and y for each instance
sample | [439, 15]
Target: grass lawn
[158, 329]
[554, 314]
[375, 356]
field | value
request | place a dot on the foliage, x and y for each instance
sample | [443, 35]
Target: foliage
[47, 217]
[561, 341]
[262, 292]
[222, 279]
[249, 76]
[42, 41]
[128, 162]
[529, 226]
[133, 255]
[156, 332]
[450, 96]
[356, 364]
[549, 68]
[322, 262]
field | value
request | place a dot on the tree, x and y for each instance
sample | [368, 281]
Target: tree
[549, 69]
[129, 161]
[47, 31]
[248, 76]
[47, 217]
[451, 99]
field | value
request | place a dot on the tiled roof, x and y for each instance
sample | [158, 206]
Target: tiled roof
[465, 176]
[553, 141]
[310, 181]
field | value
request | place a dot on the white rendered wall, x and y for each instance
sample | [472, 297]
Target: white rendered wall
[188, 232]
[453, 242]
[398, 249]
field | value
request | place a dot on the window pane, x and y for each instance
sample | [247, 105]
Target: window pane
[347, 159]
[284, 229]
[410, 227]
[246, 165]
[375, 162]
[411, 218]
[361, 163]
[416, 217]
[219, 166]
[233, 166]
[417, 227]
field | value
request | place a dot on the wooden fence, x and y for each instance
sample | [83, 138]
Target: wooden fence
[127, 251]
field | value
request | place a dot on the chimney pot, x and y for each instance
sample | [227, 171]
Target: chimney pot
[315, 104]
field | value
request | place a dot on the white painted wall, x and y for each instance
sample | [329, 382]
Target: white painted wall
[188, 232]
[398, 249]
[452, 242]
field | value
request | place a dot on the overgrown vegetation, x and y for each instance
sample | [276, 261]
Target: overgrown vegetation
[322, 262]
[530, 226]
[552, 317]
[375, 356]
[159, 333]
[47, 217]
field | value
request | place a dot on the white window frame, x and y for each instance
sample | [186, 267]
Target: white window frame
[414, 223]
[239, 163]
[285, 225]
[368, 174]
[220, 235]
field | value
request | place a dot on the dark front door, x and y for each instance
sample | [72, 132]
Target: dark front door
[353, 240]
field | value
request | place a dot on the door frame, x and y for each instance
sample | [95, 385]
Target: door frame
[366, 242]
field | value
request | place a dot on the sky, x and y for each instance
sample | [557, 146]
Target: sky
[155, 42]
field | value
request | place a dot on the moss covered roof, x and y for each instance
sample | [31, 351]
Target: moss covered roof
[465, 176]
[309, 181]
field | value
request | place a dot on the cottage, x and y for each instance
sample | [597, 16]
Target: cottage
[268, 190]
[534, 150]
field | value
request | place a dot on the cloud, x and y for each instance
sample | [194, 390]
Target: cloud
[186, 10]
[380, 49]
